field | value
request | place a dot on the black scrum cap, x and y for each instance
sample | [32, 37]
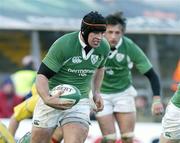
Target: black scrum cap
[92, 22]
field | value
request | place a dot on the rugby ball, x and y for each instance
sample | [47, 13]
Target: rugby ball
[70, 92]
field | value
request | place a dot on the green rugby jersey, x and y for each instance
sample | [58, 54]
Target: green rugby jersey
[176, 97]
[67, 58]
[119, 64]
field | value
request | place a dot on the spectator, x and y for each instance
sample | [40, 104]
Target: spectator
[8, 98]
[24, 78]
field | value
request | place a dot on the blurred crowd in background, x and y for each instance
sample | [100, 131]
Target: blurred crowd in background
[16, 87]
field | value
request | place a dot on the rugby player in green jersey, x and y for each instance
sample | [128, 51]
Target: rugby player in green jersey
[117, 89]
[77, 58]
[171, 120]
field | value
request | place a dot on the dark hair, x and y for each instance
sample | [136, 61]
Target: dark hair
[92, 22]
[116, 18]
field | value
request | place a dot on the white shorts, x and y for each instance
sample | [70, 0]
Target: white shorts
[48, 117]
[119, 102]
[171, 122]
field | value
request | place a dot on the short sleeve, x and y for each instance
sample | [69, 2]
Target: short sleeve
[54, 57]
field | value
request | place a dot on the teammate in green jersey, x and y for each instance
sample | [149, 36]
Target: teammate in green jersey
[77, 58]
[117, 90]
[171, 120]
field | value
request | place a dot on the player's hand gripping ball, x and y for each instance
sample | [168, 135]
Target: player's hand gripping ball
[70, 93]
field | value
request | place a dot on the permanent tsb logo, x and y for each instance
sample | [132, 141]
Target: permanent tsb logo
[81, 72]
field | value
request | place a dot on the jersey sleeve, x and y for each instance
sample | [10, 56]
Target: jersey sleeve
[21, 112]
[105, 52]
[139, 58]
[54, 58]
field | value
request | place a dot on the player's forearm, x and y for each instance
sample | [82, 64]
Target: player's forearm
[154, 81]
[42, 86]
[13, 125]
[98, 77]
[157, 106]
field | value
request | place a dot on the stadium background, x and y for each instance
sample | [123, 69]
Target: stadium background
[31, 26]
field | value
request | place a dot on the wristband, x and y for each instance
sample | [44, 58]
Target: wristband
[156, 101]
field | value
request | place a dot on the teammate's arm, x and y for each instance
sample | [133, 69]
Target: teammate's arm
[157, 107]
[144, 66]
[154, 81]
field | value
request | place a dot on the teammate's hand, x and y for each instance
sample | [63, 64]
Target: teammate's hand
[55, 102]
[98, 102]
[157, 107]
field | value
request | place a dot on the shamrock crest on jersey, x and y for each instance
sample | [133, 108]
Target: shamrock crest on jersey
[119, 57]
[94, 59]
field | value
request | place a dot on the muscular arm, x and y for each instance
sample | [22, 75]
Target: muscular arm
[42, 87]
[44, 73]
[97, 80]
